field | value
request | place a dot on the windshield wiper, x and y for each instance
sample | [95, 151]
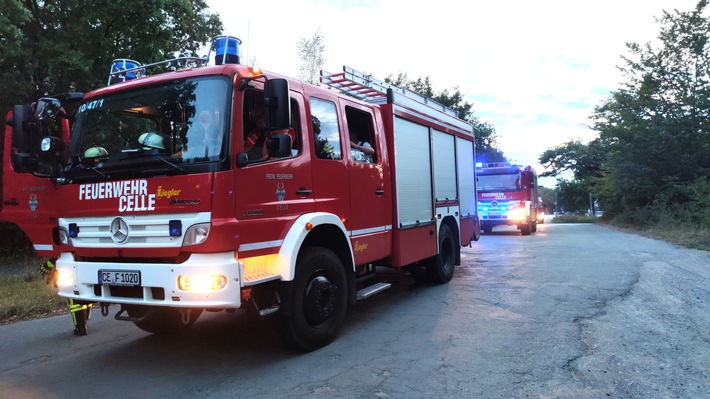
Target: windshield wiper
[79, 161]
[172, 165]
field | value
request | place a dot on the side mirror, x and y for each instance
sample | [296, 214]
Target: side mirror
[47, 108]
[24, 130]
[278, 104]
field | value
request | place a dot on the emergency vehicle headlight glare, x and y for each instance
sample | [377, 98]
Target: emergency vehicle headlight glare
[201, 282]
[503, 208]
[64, 238]
[65, 277]
[73, 230]
[516, 214]
[175, 228]
[196, 234]
[46, 144]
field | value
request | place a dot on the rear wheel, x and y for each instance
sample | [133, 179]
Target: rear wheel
[163, 320]
[316, 301]
[442, 267]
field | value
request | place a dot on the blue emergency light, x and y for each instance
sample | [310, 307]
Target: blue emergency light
[175, 228]
[118, 66]
[226, 50]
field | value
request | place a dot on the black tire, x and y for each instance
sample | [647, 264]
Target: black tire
[487, 229]
[533, 227]
[525, 229]
[442, 267]
[316, 301]
[162, 321]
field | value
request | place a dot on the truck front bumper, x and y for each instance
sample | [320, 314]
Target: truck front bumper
[159, 283]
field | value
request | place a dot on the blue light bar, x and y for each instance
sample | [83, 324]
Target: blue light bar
[226, 50]
[120, 65]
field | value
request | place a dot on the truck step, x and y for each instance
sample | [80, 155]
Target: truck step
[372, 290]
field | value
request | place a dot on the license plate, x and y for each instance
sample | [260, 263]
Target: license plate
[120, 277]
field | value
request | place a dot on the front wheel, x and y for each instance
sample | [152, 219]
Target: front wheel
[315, 301]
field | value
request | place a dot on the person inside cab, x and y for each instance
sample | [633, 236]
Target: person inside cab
[361, 150]
[255, 140]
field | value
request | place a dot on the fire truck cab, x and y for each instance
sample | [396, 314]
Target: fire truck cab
[217, 186]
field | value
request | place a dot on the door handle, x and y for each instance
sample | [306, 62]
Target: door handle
[11, 202]
[379, 191]
[303, 192]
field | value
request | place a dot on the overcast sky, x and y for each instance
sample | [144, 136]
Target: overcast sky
[534, 70]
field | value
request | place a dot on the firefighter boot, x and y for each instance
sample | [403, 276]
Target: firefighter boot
[80, 315]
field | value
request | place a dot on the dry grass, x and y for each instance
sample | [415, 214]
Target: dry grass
[25, 296]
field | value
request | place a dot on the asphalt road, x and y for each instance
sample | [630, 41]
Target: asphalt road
[572, 311]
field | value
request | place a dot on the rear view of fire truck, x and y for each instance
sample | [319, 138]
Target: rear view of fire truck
[217, 186]
[507, 195]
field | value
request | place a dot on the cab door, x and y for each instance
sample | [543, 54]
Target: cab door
[370, 222]
[29, 201]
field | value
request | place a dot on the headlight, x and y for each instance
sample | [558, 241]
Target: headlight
[64, 237]
[196, 234]
[65, 277]
[516, 214]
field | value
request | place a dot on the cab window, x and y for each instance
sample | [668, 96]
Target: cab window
[325, 129]
[360, 130]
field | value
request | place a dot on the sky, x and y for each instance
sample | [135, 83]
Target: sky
[534, 70]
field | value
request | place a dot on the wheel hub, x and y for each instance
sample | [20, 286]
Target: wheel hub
[319, 301]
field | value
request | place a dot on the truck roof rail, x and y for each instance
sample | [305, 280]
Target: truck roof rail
[226, 49]
[124, 69]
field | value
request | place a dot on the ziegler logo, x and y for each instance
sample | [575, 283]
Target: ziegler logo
[254, 212]
[360, 247]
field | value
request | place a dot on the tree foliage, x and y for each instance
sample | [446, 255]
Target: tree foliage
[49, 47]
[654, 131]
[485, 134]
[310, 51]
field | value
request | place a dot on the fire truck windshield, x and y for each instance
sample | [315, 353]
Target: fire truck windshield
[489, 183]
[175, 124]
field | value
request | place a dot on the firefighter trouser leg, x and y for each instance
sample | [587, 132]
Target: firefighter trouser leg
[80, 313]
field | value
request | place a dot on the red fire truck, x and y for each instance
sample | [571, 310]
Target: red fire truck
[172, 196]
[507, 195]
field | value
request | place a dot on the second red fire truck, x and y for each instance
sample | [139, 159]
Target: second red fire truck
[507, 195]
[172, 195]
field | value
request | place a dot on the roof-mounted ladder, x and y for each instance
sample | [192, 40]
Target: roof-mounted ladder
[357, 84]
[369, 89]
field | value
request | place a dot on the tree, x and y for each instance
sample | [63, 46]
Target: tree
[49, 47]
[585, 161]
[657, 125]
[484, 132]
[310, 51]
